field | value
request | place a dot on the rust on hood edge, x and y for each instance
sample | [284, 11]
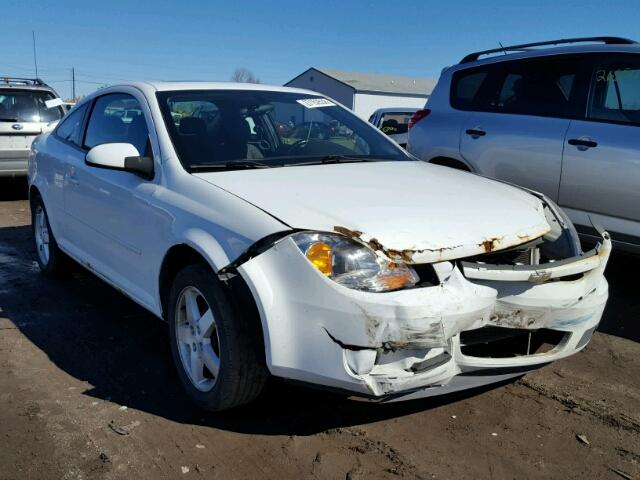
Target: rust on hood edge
[404, 255]
[491, 244]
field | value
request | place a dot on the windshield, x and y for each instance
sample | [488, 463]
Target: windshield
[217, 128]
[27, 106]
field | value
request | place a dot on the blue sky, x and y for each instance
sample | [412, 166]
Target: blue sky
[114, 40]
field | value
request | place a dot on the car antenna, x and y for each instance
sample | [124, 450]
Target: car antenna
[502, 47]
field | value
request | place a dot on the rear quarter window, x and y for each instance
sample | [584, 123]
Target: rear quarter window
[469, 88]
[466, 87]
[71, 127]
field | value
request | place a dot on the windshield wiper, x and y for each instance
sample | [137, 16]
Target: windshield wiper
[237, 165]
[327, 159]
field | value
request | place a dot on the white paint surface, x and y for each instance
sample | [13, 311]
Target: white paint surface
[364, 104]
[121, 227]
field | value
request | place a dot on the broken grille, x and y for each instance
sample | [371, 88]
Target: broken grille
[501, 342]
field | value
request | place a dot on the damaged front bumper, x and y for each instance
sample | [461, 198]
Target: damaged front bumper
[429, 340]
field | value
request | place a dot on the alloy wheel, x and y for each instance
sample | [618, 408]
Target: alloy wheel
[197, 339]
[42, 235]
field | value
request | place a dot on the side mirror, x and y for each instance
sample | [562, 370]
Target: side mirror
[120, 156]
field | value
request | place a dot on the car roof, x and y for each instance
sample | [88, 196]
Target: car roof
[498, 57]
[157, 86]
[38, 88]
[397, 109]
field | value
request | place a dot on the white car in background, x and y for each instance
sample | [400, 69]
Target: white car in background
[28, 107]
[340, 262]
[394, 122]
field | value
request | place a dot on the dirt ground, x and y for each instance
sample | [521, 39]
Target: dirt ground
[88, 391]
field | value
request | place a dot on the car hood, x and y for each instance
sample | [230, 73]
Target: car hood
[407, 210]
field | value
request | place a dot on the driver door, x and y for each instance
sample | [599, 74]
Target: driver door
[113, 221]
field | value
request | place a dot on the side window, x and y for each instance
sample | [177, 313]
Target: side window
[118, 118]
[616, 91]
[509, 90]
[467, 88]
[71, 127]
[537, 87]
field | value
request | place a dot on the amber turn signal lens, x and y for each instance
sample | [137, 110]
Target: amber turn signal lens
[321, 256]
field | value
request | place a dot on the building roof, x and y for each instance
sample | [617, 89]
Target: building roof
[360, 81]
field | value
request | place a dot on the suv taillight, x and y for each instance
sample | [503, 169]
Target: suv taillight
[419, 115]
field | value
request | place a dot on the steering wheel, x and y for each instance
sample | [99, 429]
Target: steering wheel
[297, 145]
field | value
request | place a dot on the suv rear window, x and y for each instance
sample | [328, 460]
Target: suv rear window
[394, 123]
[27, 106]
[541, 87]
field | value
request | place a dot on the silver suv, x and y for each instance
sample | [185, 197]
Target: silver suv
[28, 107]
[562, 120]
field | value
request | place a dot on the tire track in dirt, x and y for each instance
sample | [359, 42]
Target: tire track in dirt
[400, 466]
[608, 417]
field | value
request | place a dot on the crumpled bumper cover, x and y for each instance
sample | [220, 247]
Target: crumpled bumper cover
[407, 344]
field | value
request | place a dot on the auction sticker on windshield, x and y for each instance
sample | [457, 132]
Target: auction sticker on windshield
[315, 102]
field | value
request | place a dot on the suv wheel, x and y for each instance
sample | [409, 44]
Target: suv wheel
[51, 259]
[213, 353]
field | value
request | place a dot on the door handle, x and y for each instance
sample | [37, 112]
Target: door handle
[475, 132]
[582, 142]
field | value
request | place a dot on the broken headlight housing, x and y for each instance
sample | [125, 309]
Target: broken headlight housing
[352, 264]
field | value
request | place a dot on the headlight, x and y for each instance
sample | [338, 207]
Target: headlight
[352, 264]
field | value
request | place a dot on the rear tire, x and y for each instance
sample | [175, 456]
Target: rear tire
[51, 260]
[211, 346]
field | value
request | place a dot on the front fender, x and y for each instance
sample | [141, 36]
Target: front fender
[207, 246]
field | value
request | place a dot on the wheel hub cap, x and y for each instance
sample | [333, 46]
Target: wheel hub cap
[42, 235]
[197, 339]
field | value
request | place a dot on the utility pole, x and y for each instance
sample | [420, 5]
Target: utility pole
[35, 58]
[73, 84]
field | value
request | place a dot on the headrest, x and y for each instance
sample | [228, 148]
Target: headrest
[192, 126]
[235, 128]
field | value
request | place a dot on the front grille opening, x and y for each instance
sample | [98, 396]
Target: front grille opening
[519, 255]
[427, 275]
[538, 251]
[500, 342]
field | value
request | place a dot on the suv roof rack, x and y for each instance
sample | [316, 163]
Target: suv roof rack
[525, 46]
[21, 81]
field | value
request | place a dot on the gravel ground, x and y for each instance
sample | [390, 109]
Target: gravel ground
[87, 390]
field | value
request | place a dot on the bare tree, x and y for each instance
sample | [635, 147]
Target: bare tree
[243, 75]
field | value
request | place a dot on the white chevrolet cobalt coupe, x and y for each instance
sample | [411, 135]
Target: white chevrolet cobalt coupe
[277, 233]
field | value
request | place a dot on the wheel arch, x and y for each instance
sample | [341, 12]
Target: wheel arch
[244, 304]
[33, 193]
[175, 259]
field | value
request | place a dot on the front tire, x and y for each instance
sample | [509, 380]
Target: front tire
[211, 346]
[51, 260]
